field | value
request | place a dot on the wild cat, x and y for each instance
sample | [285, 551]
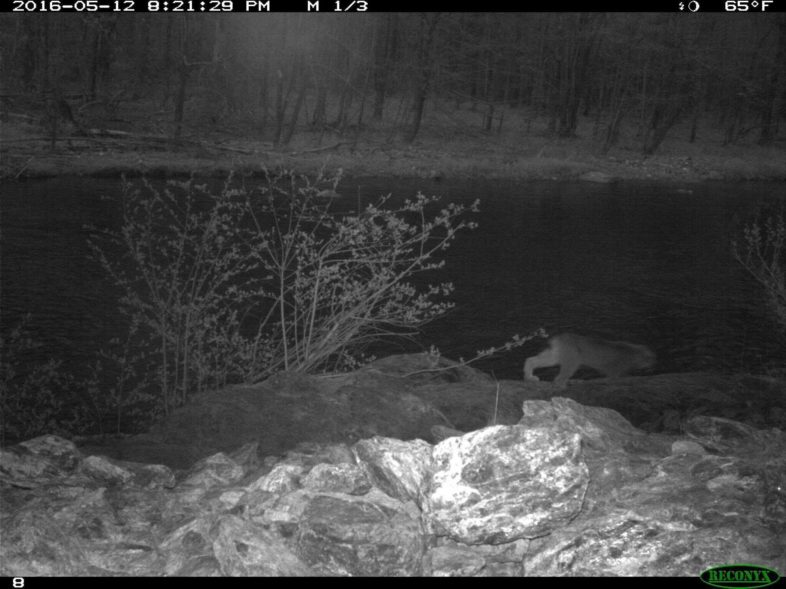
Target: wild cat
[570, 351]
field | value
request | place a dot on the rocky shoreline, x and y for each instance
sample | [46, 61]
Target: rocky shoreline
[372, 480]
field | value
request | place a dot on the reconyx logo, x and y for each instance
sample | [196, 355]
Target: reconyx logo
[739, 576]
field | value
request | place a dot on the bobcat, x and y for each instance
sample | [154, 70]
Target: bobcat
[570, 351]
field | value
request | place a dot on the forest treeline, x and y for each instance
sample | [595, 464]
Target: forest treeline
[284, 74]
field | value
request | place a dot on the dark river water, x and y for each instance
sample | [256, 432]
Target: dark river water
[644, 262]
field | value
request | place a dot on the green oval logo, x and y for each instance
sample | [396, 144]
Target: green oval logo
[739, 576]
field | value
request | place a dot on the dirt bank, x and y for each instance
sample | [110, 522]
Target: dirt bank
[26, 153]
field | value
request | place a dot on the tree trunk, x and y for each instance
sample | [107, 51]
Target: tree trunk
[617, 99]
[93, 80]
[264, 95]
[424, 73]
[279, 108]
[102, 52]
[167, 60]
[45, 79]
[384, 53]
[344, 103]
[320, 109]
[663, 122]
[29, 50]
[694, 125]
[142, 51]
[776, 88]
[182, 81]
[297, 72]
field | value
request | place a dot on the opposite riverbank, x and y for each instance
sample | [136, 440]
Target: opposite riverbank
[441, 152]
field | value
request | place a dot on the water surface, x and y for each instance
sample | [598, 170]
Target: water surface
[645, 262]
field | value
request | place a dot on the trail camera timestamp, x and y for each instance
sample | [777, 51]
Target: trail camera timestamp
[188, 5]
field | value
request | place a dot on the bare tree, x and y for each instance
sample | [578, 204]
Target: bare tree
[385, 49]
[423, 70]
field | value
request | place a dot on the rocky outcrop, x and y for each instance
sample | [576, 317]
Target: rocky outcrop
[416, 396]
[568, 490]
[400, 396]
[501, 484]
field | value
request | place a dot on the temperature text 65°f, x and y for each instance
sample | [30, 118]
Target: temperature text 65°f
[747, 5]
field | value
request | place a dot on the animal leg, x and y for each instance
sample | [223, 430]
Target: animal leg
[542, 360]
[568, 368]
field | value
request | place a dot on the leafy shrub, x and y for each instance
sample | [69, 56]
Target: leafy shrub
[181, 260]
[31, 400]
[762, 255]
[236, 284]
